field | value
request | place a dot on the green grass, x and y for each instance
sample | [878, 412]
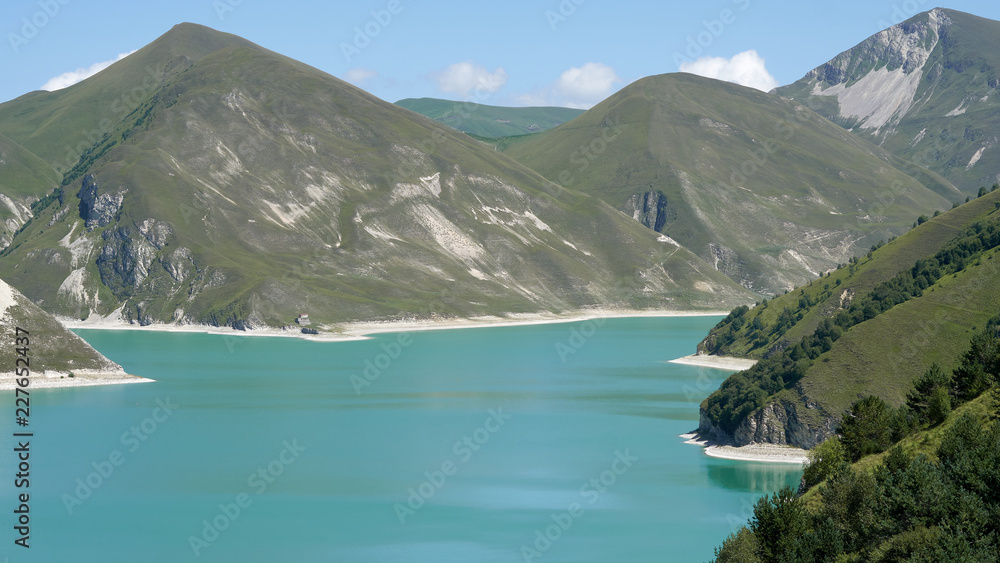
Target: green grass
[490, 121]
[901, 253]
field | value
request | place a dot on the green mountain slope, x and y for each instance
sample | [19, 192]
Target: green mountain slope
[247, 188]
[870, 328]
[925, 90]
[490, 121]
[762, 188]
[24, 180]
[933, 497]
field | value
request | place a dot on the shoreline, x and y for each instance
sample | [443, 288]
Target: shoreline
[763, 453]
[730, 363]
[59, 380]
[363, 330]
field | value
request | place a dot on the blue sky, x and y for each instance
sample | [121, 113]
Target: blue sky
[546, 52]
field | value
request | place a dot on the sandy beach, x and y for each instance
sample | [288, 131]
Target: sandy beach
[58, 380]
[363, 329]
[719, 362]
[767, 453]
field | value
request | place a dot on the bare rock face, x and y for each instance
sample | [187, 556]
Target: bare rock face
[781, 422]
[97, 207]
[649, 208]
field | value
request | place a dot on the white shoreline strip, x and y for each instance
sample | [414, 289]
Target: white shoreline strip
[363, 330]
[8, 383]
[730, 363]
[764, 453]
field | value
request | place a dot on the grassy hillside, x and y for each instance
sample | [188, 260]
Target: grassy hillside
[871, 328]
[24, 179]
[760, 187]
[490, 121]
[823, 297]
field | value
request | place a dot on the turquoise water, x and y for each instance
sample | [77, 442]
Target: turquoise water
[538, 443]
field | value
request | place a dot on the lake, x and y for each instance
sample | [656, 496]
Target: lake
[548, 443]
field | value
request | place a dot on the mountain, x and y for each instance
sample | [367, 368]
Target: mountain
[871, 328]
[762, 188]
[49, 346]
[235, 186]
[490, 121]
[925, 90]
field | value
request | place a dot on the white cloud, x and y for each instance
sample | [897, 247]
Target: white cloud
[746, 68]
[465, 78]
[358, 76]
[68, 79]
[580, 88]
[585, 86]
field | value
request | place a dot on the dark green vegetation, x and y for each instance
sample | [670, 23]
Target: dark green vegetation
[762, 188]
[934, 496]
[872, 327]
[50, 346]
[490, 121]
[925, 90]
[207, 180]
[907, 509]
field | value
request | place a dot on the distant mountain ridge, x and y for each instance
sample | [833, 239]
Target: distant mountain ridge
[490, 121]
[925, 90]
[241, 188]
[762, 188]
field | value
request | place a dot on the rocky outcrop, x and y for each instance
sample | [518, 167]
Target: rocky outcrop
[179, 264]
[906, 46]
[783, 421]
[98, 208]
[125, 260]
[650, 209]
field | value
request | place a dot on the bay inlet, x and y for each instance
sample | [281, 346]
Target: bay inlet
[555, 442]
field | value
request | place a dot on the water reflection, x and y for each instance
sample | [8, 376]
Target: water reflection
[750, 477]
